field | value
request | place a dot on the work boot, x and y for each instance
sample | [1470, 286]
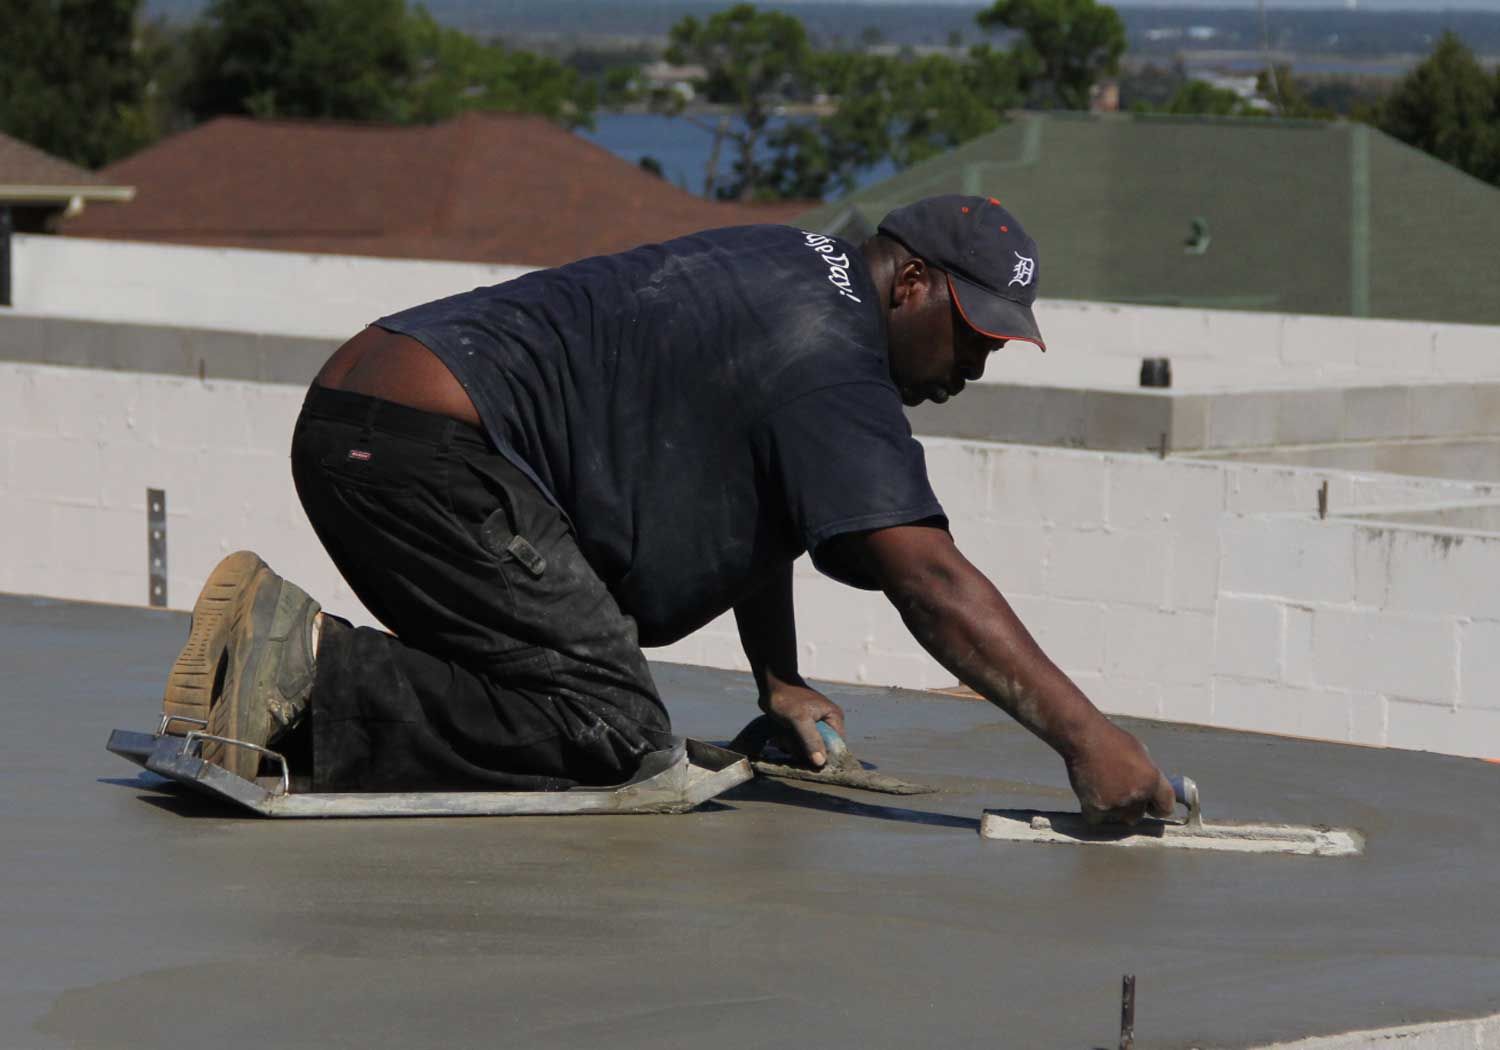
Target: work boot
[270, 674]
[199, 668]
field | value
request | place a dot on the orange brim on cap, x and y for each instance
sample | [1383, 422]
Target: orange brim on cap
[994, 315]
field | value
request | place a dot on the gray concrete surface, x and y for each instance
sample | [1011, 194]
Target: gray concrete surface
[162, 350]
[1229, 419]
[1458, 459]
[783, 916]
[1482, 516]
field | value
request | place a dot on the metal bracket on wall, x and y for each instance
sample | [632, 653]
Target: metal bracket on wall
[156, 546]
[6, 228]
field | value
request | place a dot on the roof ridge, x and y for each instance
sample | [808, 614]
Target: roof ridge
[310, 122]
[1084, 116]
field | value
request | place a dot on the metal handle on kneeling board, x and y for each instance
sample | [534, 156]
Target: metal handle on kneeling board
[197, 738]
[167, 720]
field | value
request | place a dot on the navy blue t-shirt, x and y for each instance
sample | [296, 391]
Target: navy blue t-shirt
[703, 410]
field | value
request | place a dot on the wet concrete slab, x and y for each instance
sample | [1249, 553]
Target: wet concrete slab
[783, 915]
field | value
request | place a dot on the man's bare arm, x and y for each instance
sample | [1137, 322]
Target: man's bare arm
[768, 632]
[960, 617]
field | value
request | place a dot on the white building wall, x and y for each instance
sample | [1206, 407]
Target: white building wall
[1378, 630]
[1102, 344]
[1202, 592]
[288, 293]
[1094, 344]
[1188, 590]
[81, 447]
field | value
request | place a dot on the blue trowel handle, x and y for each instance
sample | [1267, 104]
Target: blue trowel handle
[832, 740]
[1185, 791]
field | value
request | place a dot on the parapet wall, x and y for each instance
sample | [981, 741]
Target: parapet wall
[1192, 590]
[236, 289]
[1101, 345]
[1096, 345]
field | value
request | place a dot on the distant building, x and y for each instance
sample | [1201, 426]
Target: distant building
[479, 188]
[1246, 89]
[37, 190]
[661, 75]
[1237, 213]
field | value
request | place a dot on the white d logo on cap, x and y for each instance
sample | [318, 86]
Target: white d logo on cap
[1023, 273]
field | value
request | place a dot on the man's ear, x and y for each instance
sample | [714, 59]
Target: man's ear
[911, 278]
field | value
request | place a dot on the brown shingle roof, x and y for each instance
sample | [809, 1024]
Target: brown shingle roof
[482, 187]
[24, 167]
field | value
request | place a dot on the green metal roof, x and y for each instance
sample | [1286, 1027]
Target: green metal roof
[1301, 216]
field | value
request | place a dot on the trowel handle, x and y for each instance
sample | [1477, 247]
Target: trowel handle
[1185, 791]
[832, 740]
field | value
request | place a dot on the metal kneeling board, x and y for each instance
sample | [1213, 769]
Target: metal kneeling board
[669, 781]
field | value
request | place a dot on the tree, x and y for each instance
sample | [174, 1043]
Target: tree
[365, 60]
[1151, 87]
[890, 108]
[1201, 97]
[343, 59]
[1449, 107]
[1073, 43]
[1287, 96]
[753, 61]
[942, 103]
[869, 108]
[452, 72]
[814, 156]
[1353, 97]
[162, 47]
[71, 82]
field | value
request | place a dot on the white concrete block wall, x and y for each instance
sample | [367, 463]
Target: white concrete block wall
[1393, 630]
[1209, 592]
[1184, 589]
[289, 293]
[1482, 1033]
[1462, 350]
[296, 293]
[82, 446]
[1103, 343]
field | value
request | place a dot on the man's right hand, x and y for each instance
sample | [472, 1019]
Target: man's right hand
[1115, 779]
[799, 708]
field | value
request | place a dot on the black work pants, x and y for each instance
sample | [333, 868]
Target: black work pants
[509, 667]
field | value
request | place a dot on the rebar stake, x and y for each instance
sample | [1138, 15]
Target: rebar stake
[1127, 1012]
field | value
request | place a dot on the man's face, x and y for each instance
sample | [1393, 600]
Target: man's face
[933, 351]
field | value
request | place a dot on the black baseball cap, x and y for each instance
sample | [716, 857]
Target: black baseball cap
[990, 261]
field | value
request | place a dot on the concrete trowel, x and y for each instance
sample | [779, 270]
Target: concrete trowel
[1190, 832]
[757, 742]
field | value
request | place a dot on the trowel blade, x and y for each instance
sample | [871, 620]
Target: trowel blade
[756, 742]
[1030, 825]
[851, 775]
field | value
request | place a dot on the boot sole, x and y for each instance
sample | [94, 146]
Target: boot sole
[236, 712]
[200, 666]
